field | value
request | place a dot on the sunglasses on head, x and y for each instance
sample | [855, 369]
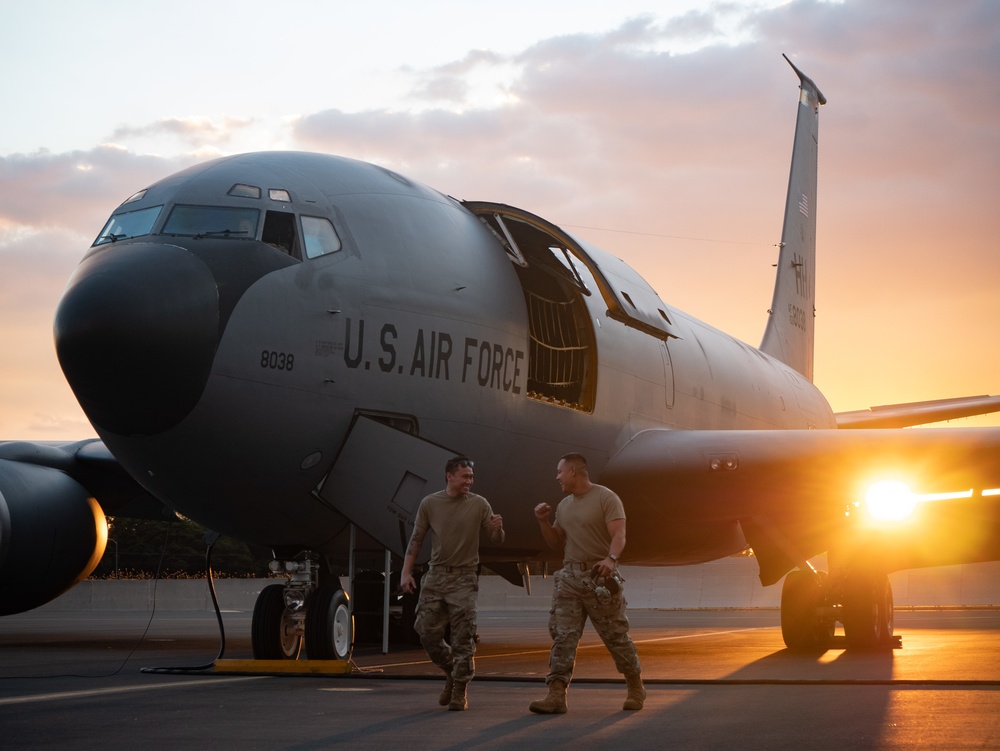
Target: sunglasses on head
[454, 464]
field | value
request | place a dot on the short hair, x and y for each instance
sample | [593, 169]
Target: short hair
[456, 462]
[579, 461]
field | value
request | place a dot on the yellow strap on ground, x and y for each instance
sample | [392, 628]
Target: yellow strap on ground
[302, 667]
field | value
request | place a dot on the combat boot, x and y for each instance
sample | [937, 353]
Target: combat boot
[636, 692]
[554, 703]
[445, 698]
[459, 702]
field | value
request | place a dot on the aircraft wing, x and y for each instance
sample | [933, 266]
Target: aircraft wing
[796, 494]
[92, 465]
[918, 413]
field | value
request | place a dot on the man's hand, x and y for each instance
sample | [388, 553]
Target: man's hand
[543, 512]
[496, 523]
[554, 536]
[606, 567]
[407, 582]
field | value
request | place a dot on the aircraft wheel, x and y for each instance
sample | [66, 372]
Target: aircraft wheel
[803, 627]
[274, 632]
[868, 610]
[329, 625]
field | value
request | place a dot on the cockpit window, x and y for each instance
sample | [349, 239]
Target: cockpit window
[212, 221]
[128, 224]
[319, 236]
[242, 190]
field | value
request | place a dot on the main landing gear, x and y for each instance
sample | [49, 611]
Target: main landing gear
[302, 612]
[812, 602]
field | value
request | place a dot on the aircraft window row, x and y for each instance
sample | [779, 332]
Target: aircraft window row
[242, 190]
[212, 221]
[128, 224]
[280, 230]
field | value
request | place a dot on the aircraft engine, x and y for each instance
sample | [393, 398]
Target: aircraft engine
[52, 535]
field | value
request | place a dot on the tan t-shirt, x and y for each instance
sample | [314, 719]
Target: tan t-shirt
[454, 524]
[585, 519]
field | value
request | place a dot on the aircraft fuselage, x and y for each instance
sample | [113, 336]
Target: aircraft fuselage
[419, 319]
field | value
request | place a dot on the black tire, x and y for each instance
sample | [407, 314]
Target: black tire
[329, 625]
[868, 611]
[272, 631]
[803, 627]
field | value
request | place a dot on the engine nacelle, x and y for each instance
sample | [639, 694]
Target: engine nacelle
[52, 535]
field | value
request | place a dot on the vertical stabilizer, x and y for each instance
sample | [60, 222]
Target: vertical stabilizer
[790, 328]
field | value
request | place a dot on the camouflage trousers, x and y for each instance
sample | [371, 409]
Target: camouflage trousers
[573, 601]
[449, 600]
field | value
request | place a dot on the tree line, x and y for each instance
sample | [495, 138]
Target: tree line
[147, 549]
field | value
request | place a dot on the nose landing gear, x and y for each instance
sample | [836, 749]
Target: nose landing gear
[302, 612]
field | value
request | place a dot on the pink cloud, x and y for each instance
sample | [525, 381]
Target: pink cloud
[75, 191]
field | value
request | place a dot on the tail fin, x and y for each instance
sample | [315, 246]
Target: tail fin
[790, 328]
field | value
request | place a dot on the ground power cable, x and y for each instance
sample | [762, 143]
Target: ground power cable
[210, 539]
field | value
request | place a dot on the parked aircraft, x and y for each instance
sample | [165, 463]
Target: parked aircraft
[286, 347]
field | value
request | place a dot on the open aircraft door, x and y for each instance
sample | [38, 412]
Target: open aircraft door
[379, 479]
[629, 298]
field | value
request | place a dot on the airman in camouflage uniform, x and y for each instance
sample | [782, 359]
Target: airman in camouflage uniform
[589, 526]
[448, 591]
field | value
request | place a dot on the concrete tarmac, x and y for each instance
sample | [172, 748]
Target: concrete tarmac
[715, 679]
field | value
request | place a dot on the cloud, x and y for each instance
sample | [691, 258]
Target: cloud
[193, 131]
[608, 123]
[449, 83]
[75, 191]
[35, 265]
[584, 110]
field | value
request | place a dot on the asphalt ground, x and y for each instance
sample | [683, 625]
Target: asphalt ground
[715, 680]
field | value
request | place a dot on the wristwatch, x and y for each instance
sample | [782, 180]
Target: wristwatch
[613, 557]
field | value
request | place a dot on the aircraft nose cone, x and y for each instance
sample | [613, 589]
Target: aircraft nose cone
[136, 332]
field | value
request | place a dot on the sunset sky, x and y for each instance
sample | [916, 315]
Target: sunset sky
[663, 136]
